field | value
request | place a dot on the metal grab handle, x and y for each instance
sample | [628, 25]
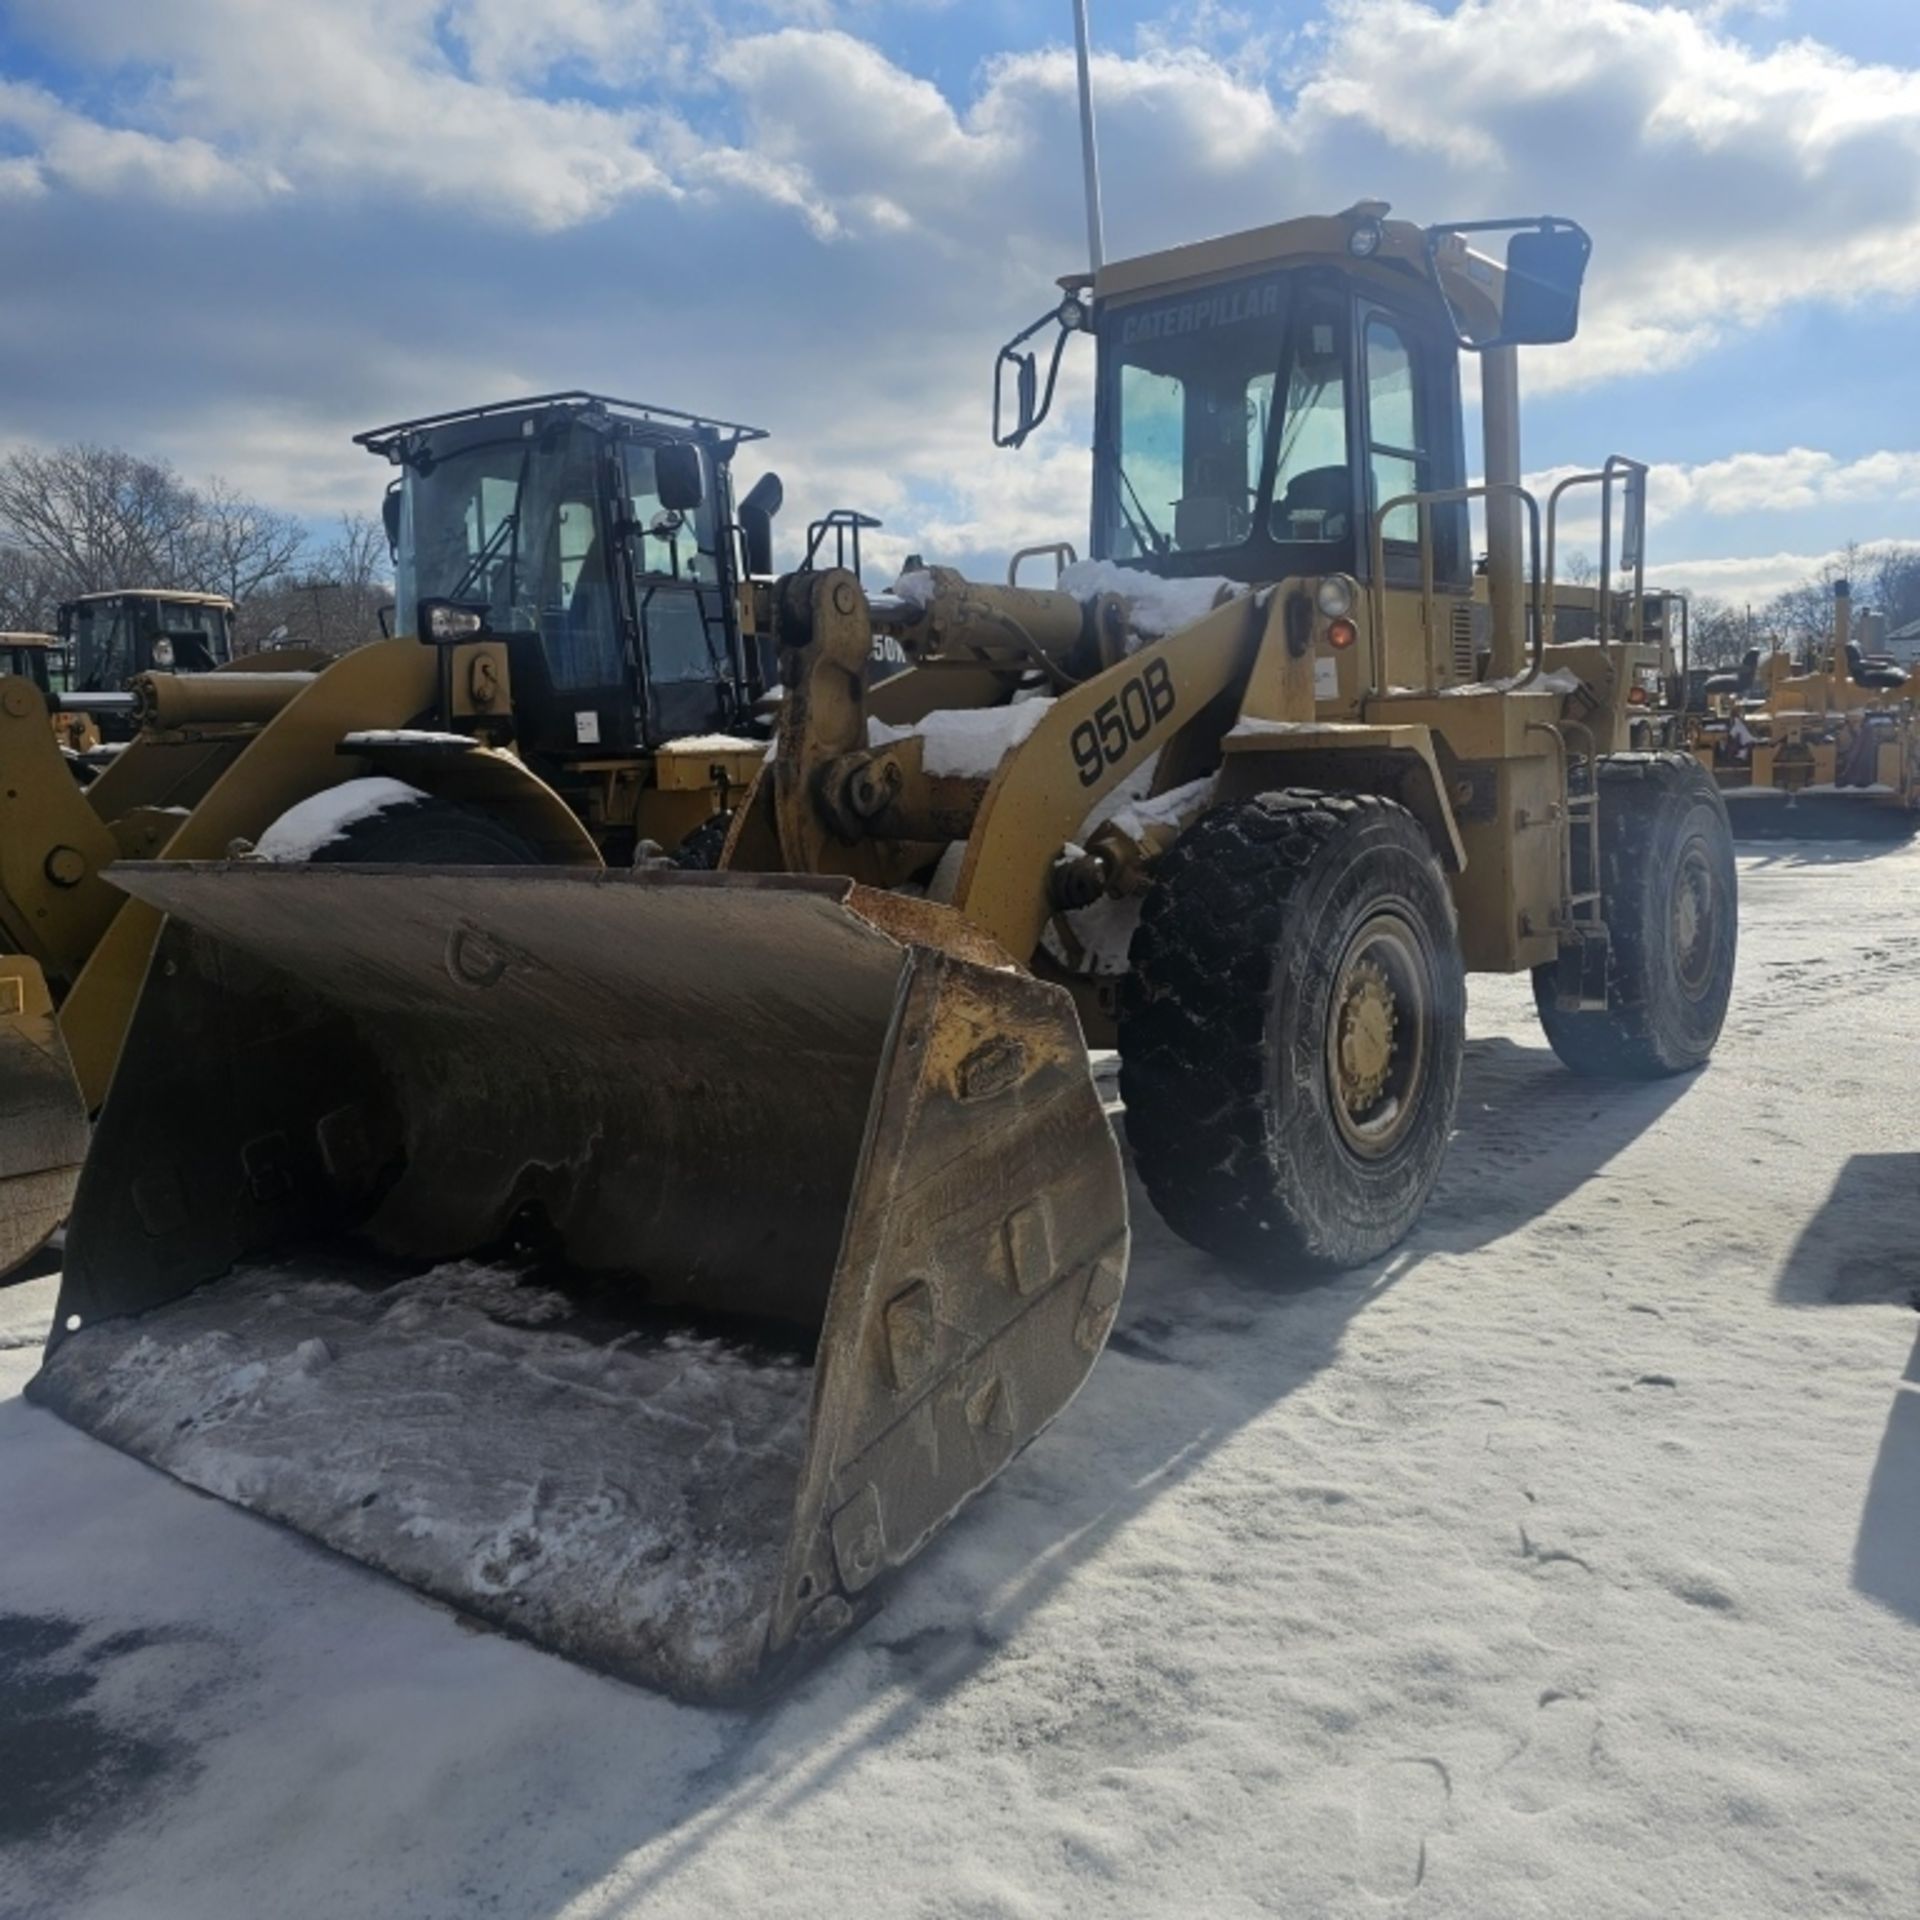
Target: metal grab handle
[1423, 504]
[1604, 477]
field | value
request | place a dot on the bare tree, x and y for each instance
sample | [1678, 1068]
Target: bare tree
[98, 517]
[30, 592]
[239, 545]
[1718, 632]
[1896, 585]
[1577, 569]
[333, 604]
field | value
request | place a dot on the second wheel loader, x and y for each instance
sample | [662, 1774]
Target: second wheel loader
[1830, 746]
[596, 545]
[650, 1261]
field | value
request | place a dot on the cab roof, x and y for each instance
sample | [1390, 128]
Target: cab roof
[390, 440]
[179, 595]
[1475, 282]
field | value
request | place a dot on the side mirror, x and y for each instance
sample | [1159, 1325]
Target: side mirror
[1545, 269]
[1546, 265]
[679, 477]
[1032, 402]
[390, 518]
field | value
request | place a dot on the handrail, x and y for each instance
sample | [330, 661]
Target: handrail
[1423, 505]
[1604, 477]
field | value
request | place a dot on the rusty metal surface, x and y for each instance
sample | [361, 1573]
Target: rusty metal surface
[779, 1097]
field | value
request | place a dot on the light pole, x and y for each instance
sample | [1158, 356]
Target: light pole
[317, 588]
[1089, 151]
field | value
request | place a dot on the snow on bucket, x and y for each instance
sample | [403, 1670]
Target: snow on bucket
[824, 1218]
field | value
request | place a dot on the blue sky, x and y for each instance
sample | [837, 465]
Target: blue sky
[235, 233]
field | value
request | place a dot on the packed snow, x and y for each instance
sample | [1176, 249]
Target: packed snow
[324, 817]
[627, 1500]
[715, 743]
[965, 743]
[1097, 938]
[1566, 1562]
[1155, 607]
[1561, 680]
[409, 737]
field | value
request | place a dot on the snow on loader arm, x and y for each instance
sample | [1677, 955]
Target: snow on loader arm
[43, 1122]
[827, 1224]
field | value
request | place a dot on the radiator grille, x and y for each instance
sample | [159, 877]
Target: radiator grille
[1463, 662]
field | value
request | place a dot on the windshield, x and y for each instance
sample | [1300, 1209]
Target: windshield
[1191, 407]
[516, 525]
[198, 634]
[103, 646]
[512, 525]
[1227, 427]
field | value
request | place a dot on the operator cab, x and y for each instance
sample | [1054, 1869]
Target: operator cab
[113, 636]
[1259, 398]
[31, 656]
[599, 540]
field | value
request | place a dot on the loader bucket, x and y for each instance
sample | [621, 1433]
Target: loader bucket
[1828, 813]
[43, 1119]
[771, 1217]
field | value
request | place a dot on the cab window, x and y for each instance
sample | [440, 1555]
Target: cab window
[1397, 457]
[1313, 478]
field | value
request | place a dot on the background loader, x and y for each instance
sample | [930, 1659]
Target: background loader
[597, 546]
[774, 1208]
[1831, 745]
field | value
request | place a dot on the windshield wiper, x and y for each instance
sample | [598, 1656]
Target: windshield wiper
[507, 530]
[1154, 541]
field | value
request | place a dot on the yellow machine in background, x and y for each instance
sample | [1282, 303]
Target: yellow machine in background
[588, 733]
[1831, 746]
[805, 1213]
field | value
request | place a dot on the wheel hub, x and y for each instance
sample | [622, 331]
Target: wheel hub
[1692, 923]
[1366, 1028]
[1376, 1045]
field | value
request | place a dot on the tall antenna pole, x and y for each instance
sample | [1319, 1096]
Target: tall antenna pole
[1089, 151]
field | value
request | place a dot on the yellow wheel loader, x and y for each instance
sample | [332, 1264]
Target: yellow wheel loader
[651, 1261]
[597, 544]
[1830, 747]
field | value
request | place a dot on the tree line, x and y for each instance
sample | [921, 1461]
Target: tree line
[1801, 617]
[88, 519]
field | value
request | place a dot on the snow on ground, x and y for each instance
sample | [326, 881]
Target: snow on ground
[1567, 1562]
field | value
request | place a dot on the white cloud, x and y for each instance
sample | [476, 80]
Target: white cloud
[1754, 579]
[72, 151]
[786, 223]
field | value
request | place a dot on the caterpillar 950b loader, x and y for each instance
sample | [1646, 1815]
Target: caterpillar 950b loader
[832, 1104]
[594, 541]
[1832, 746]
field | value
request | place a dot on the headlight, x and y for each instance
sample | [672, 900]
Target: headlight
[1334, 596]
[444, 620]
[1363, 242]
[163, 653]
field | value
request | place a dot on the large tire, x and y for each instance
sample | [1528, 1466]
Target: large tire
[429, 833]
[700, 851]
[1292, 1028]
[1670, 899]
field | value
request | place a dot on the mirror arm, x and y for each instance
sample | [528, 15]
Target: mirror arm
[1452, 229]
[1025, 367]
